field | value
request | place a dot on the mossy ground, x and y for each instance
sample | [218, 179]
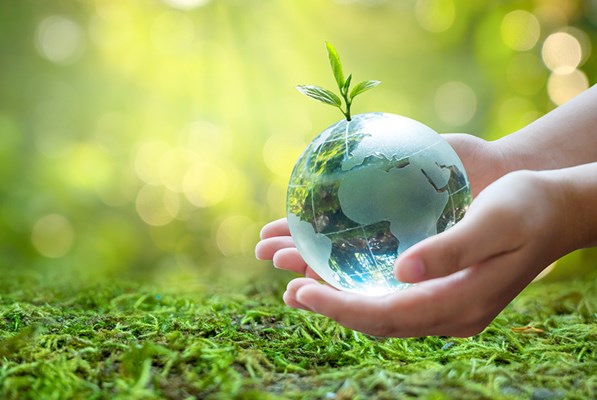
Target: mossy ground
[134, 341]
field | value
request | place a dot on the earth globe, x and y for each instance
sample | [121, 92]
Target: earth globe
[365, 190]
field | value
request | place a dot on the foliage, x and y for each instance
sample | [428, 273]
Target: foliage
[327, 96]
[140, 342]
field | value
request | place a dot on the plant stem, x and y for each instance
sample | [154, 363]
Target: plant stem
[348, 104]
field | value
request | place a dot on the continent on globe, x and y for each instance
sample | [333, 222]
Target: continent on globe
[365, 190]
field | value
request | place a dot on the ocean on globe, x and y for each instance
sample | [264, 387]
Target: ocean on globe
[367, 189]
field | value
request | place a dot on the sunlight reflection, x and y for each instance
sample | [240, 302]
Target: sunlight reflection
[157, 205]
[561, 52]
[146, 161]
[520, 30]
[583, 40]
[205, 184]
[60, 40]
[87, 166]
[516, 112]
[52, 235]
[173, 166]
[563, 87]
[455, 103]
[186, 4]
[435, 15]
[276, 195]
[550, 15]
[235, 235]
[280, 152]
[172, 33]
[205, 138]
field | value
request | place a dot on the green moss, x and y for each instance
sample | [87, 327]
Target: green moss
[125, 341]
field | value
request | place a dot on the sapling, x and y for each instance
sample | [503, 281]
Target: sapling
[327, 96]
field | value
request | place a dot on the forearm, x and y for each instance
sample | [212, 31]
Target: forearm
[577, 187]
[565, 137]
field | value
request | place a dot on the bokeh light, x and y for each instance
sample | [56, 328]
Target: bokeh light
[561, 52]
[563, 87]
[157, 205]
[455, 103]
[60, 39]
[52, 235]
[147, 160]
[520, 30]
[235, 235]
[280, 152]
[205, 184]
[435, 15]
[516, 112]
[173, 33]
[186, 4]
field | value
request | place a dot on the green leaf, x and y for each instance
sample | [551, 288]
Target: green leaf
[346, 85]
[336, 65]
[363, 87]
[320, 94]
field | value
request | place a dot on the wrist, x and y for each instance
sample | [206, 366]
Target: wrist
[520, 153]
[577, 191]
[506, 156]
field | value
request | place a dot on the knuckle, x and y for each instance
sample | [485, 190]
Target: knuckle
[453, 260]
[450, 259]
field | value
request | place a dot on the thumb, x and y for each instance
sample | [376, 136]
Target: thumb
[479, 236]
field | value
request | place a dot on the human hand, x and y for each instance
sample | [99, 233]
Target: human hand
[483, 161]
[467, 274]
[515, 227]
[276, 244]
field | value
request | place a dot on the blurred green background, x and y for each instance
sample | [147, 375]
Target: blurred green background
[152, 139]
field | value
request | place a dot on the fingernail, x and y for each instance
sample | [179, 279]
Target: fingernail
[411, 270]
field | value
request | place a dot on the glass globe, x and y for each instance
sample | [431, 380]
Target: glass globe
[366, 190]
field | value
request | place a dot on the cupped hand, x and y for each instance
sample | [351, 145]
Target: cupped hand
[482, 160]
[430, 307]
[467, 274]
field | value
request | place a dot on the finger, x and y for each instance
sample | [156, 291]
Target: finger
[290, 259]
[478, 237]
[461, 304]
[435, 307]
[481, 293]
[432, 308]
[265, 249]
[362, 313]
[275, 228]
[290, 293]
[310, 273]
